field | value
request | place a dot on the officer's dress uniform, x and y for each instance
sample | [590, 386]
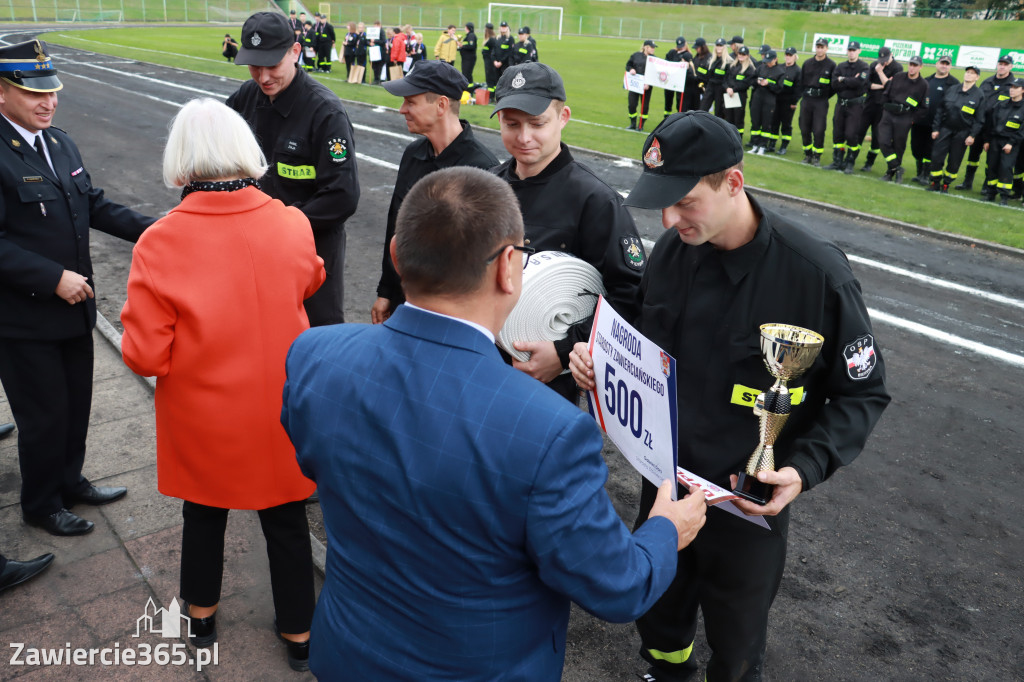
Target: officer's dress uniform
[763, 102]
[905, 98]
[850, 83]
[816, 79]
[873, 109]
[567, 208]
[1005, 126]
[418, 161]
[921, 129]
[961, 115]
[714, 86]
[740, 77]
[638, 62]
[789, 96]
[995, 90]
[46, 347]
[704, 307]
[306, 136]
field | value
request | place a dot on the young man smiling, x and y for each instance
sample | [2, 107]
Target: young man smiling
[565, 207]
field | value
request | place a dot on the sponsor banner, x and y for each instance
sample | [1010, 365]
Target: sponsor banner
[982, 57]
[869, 47]
[665, 74]
[930, 52]
[962, 55]
[836, 43]
[903, 50]
[1018, 60]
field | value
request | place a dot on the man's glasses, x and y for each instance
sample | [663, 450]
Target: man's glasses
[526, 250]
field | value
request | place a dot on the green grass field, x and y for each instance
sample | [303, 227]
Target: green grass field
[592, 69]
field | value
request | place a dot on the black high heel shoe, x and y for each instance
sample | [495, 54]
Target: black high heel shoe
[298, 652]
[203, 630]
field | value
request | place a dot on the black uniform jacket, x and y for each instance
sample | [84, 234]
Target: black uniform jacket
[567, 208]
[816, 77]
[791, 84]
[905, 95]
[962, 110]
[307, 139]
[468, 46]
[996, 89]
[637, 62]
[850, 79]
[937, 89]
[741, 77]
[502, 50]
[786, 274]
[772, 76]
[418, 161]
[890, 70]
[1005, 123]
[44, 230]
[522, 52]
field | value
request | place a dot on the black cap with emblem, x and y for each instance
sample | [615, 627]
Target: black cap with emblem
[683, 149]
[28, 66]
[266, 38]
[429, 76]
[528, 87]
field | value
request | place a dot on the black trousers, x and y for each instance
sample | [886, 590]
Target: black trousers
[762, 110]
[782, 120]
[921, 142]
[872, 118]
[813, 117]
[731, 572]
[376, 67]
[673, 102]
[291, 560]
[999, 167]
[712, 97]
[642, 102]
[951, 143]
[490, 74]
[893, 131]
[49, 389]
[323, 58]
[846, 126]
[327, 305]
[468, 64]
[350, 59]
[737, 115]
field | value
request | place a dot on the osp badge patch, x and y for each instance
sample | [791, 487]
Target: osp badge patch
[652, 159]
[338, 149]
[860, 357]
[633, 252]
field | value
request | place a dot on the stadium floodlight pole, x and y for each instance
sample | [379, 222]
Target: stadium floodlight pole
[560, 10]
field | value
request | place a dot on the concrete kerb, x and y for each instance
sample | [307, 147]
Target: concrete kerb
[114, 338]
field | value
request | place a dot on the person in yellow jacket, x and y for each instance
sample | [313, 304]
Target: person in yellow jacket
[447, 46]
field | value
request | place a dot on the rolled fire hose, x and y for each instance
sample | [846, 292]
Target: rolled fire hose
[559, 290]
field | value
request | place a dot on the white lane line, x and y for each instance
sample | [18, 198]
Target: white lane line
[940, 283]
[177, 105]
[363, 158]
[386, 133]
[148, 79]
[947, 338]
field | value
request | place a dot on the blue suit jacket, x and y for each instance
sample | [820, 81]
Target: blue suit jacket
[464, 505]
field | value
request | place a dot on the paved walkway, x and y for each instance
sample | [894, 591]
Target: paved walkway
[98, 587]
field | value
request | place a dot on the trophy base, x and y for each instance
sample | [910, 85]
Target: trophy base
[749, 488]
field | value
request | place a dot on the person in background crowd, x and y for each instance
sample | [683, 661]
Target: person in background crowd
[229, 48]
[325, 41]
[447, 46]
[349, 49]
[431, 94]
[228, 359]
[467, 52]
[905, 98]
[399, 41]
[525, 50]
[738, 80]
[714, 86]
[502, 51]
[47, 291]
[306, 136]
[735, 43]
[637, 65]
[360, 52]
[939, 83]
[487, 53]
[417, 50]
[701, 66]
[674, 100]
[785, 103]
[763, 102]
[850, 83]
[880, 72]
[308, 47]
[295, 24]
[1005, 131]
[994, 88]
[816, 81]
[379, 42]
[957, 125]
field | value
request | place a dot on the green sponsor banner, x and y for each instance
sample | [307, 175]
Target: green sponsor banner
[931, 52]
[869, 47]
[1018, 59]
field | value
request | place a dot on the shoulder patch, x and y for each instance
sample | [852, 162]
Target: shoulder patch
[860, 357]
[633, 252]
[338, 149]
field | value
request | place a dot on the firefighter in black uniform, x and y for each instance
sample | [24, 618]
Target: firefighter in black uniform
[785, 103]
[994, 90]
[882, 70]
[486, 55]
[738, 79]
[524, 50]
[637, 65]
[957, 125]
[763, 102]
[850, 83]
[676, 101]
[467, 52]
[939, 83]
[816, 80]
[712, 281]
[1005, 131]
[714, 86]
[47, 293]
[565, 207]
[701, 64]
[443, 141]
[307, 41]
[502, 50]
[325, 39]
[306, 136]
[905, 96]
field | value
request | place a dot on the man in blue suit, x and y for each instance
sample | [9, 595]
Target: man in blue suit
[463, 500]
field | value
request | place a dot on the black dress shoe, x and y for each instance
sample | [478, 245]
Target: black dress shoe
[17, 572]
[6, 430]
[96, 495]
[203, 631]
[62, 522]
[298, 653]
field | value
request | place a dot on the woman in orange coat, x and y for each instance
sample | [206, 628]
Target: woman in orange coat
[215, 298]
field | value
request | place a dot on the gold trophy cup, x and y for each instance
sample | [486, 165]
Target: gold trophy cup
[788, 352]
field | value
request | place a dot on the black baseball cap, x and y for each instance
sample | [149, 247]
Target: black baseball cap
[700, 42]
[529, 87]
[946, 58]
[852, 45]
[683, 149]
[720, 41]
[884, 52]
[522, 31]
[291, 11]
[680, 41]
[650, 43]
[764, 48]
[916, 60]
[1016, 83]
[973, 68]
[489, 25]
[743, 49]
[737, 39]
[28, 66]
[266, 38]
[429, 76]
[770, 56]
[790, 50]
[470, 26]
[1006, 58]
[821, 41]
[525, 29]
[503, 24]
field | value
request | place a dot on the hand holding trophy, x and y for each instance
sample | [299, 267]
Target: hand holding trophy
[788, 351]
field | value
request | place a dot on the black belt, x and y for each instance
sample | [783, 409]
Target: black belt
[852, 101]
[897, 107]
[815, 92]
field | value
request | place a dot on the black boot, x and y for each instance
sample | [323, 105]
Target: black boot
[783, 148]
[771, 147]
[1018, 189]
[920, 178]
[933, 186]
[632, 123]
[869, 162]
[1003, 200]
[897, 175]
[968, 179]
[640, 124]
[816, 160]
[944, 189]
[850, 162]
[837, 160]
